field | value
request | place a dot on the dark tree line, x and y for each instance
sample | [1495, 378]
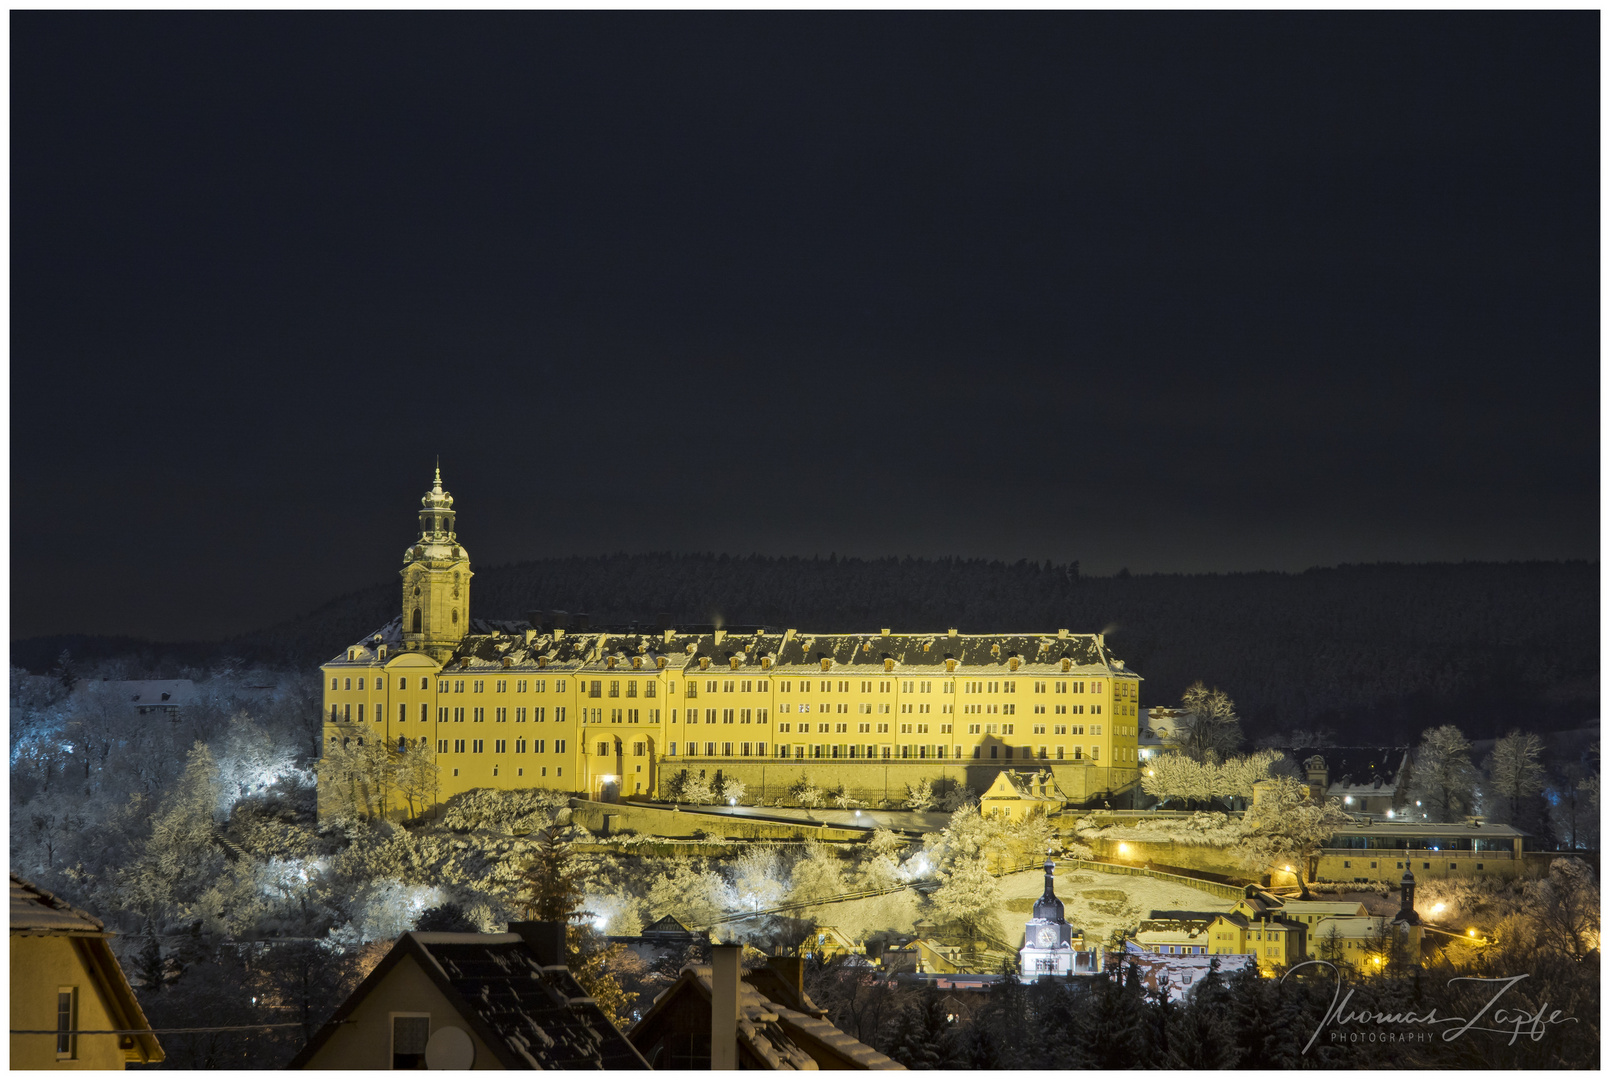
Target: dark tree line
[1241, 1021]
[1381, 651]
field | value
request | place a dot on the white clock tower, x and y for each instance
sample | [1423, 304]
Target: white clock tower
[1047, 938]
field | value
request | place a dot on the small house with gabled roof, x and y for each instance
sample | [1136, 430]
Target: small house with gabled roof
[71, 1005]
[1020, 794]
[484, 1001]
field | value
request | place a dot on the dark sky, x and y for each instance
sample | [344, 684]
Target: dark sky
[1157, 290]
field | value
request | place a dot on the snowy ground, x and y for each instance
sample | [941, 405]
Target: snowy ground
[1096, 903]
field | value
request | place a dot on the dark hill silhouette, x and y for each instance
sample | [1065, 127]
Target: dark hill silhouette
[1377, 651]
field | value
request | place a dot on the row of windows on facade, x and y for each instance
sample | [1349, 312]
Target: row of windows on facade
[613, 687]
[477, 686]
[883, 752]
[538, 714]
[346, 713]
[475, 746]
[904, 751]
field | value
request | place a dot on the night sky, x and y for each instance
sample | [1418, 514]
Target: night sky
[1172, 292]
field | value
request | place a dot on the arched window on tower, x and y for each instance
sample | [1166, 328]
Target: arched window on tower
[419, 621]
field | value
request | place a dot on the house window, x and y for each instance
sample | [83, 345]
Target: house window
[409, 1034]
[66, 1021]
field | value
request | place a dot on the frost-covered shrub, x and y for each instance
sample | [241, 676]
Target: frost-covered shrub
[1198, 830]
[521, 811]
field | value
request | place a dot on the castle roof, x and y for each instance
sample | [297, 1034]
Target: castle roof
[517, 643]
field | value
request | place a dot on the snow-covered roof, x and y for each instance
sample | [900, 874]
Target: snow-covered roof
[35, 911]
[1322, 907]
[161, 693]
[1356, 770]
[1181, 974]
[518, 644]
[792, 1034]
[1033, 786]
[532, 1015]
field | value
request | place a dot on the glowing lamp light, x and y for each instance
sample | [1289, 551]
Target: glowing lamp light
[1472, 933]
[1417, 802]
[1438, 908]
[1123, 849]
[600, 922]
[1348, 800]
[732, 802]
[1389, 814]
[1288, 870]
[858, 813]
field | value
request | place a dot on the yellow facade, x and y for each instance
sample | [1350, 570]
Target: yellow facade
[503, 705]
[43, 968]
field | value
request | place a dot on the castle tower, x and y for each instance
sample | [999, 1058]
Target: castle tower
[436, 579]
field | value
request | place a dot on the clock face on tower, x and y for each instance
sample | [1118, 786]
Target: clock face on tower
[1048, 937]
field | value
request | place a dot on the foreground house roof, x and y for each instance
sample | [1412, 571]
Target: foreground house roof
[530, 1015]
[779, 1027]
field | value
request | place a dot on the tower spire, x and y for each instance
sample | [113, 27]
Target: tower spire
[436, 577]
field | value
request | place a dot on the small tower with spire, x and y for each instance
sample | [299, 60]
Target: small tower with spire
[436, 579]
[1049, 943]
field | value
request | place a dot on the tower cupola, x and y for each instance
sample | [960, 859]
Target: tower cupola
[1048, 907]
[436, 578]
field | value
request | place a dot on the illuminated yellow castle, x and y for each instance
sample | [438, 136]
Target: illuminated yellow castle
[604, 713]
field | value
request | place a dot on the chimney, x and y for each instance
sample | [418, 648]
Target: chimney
[790, 970]
[546, 939]
[724, 974]
[719, 635]
[536, 618]
[665, 620]
[583, 621]
[559, 619]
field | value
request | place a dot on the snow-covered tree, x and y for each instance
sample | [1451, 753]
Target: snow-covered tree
[732, 791]
[251, 761]
[968, 895]
[1565, 907]
[1442, 780]
[418, 777]
[698, 790]
[817, 875]
[1175, 776]
[1514, 774]
[551, 879]
[696, 897]
[1236, 776]
[920, 796]
[804, 792]
[182, 855]
[1210, 731]
[1286, 828]
[758, 881]
[844, 800]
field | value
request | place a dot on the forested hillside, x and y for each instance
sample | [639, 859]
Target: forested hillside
[1379, 651]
